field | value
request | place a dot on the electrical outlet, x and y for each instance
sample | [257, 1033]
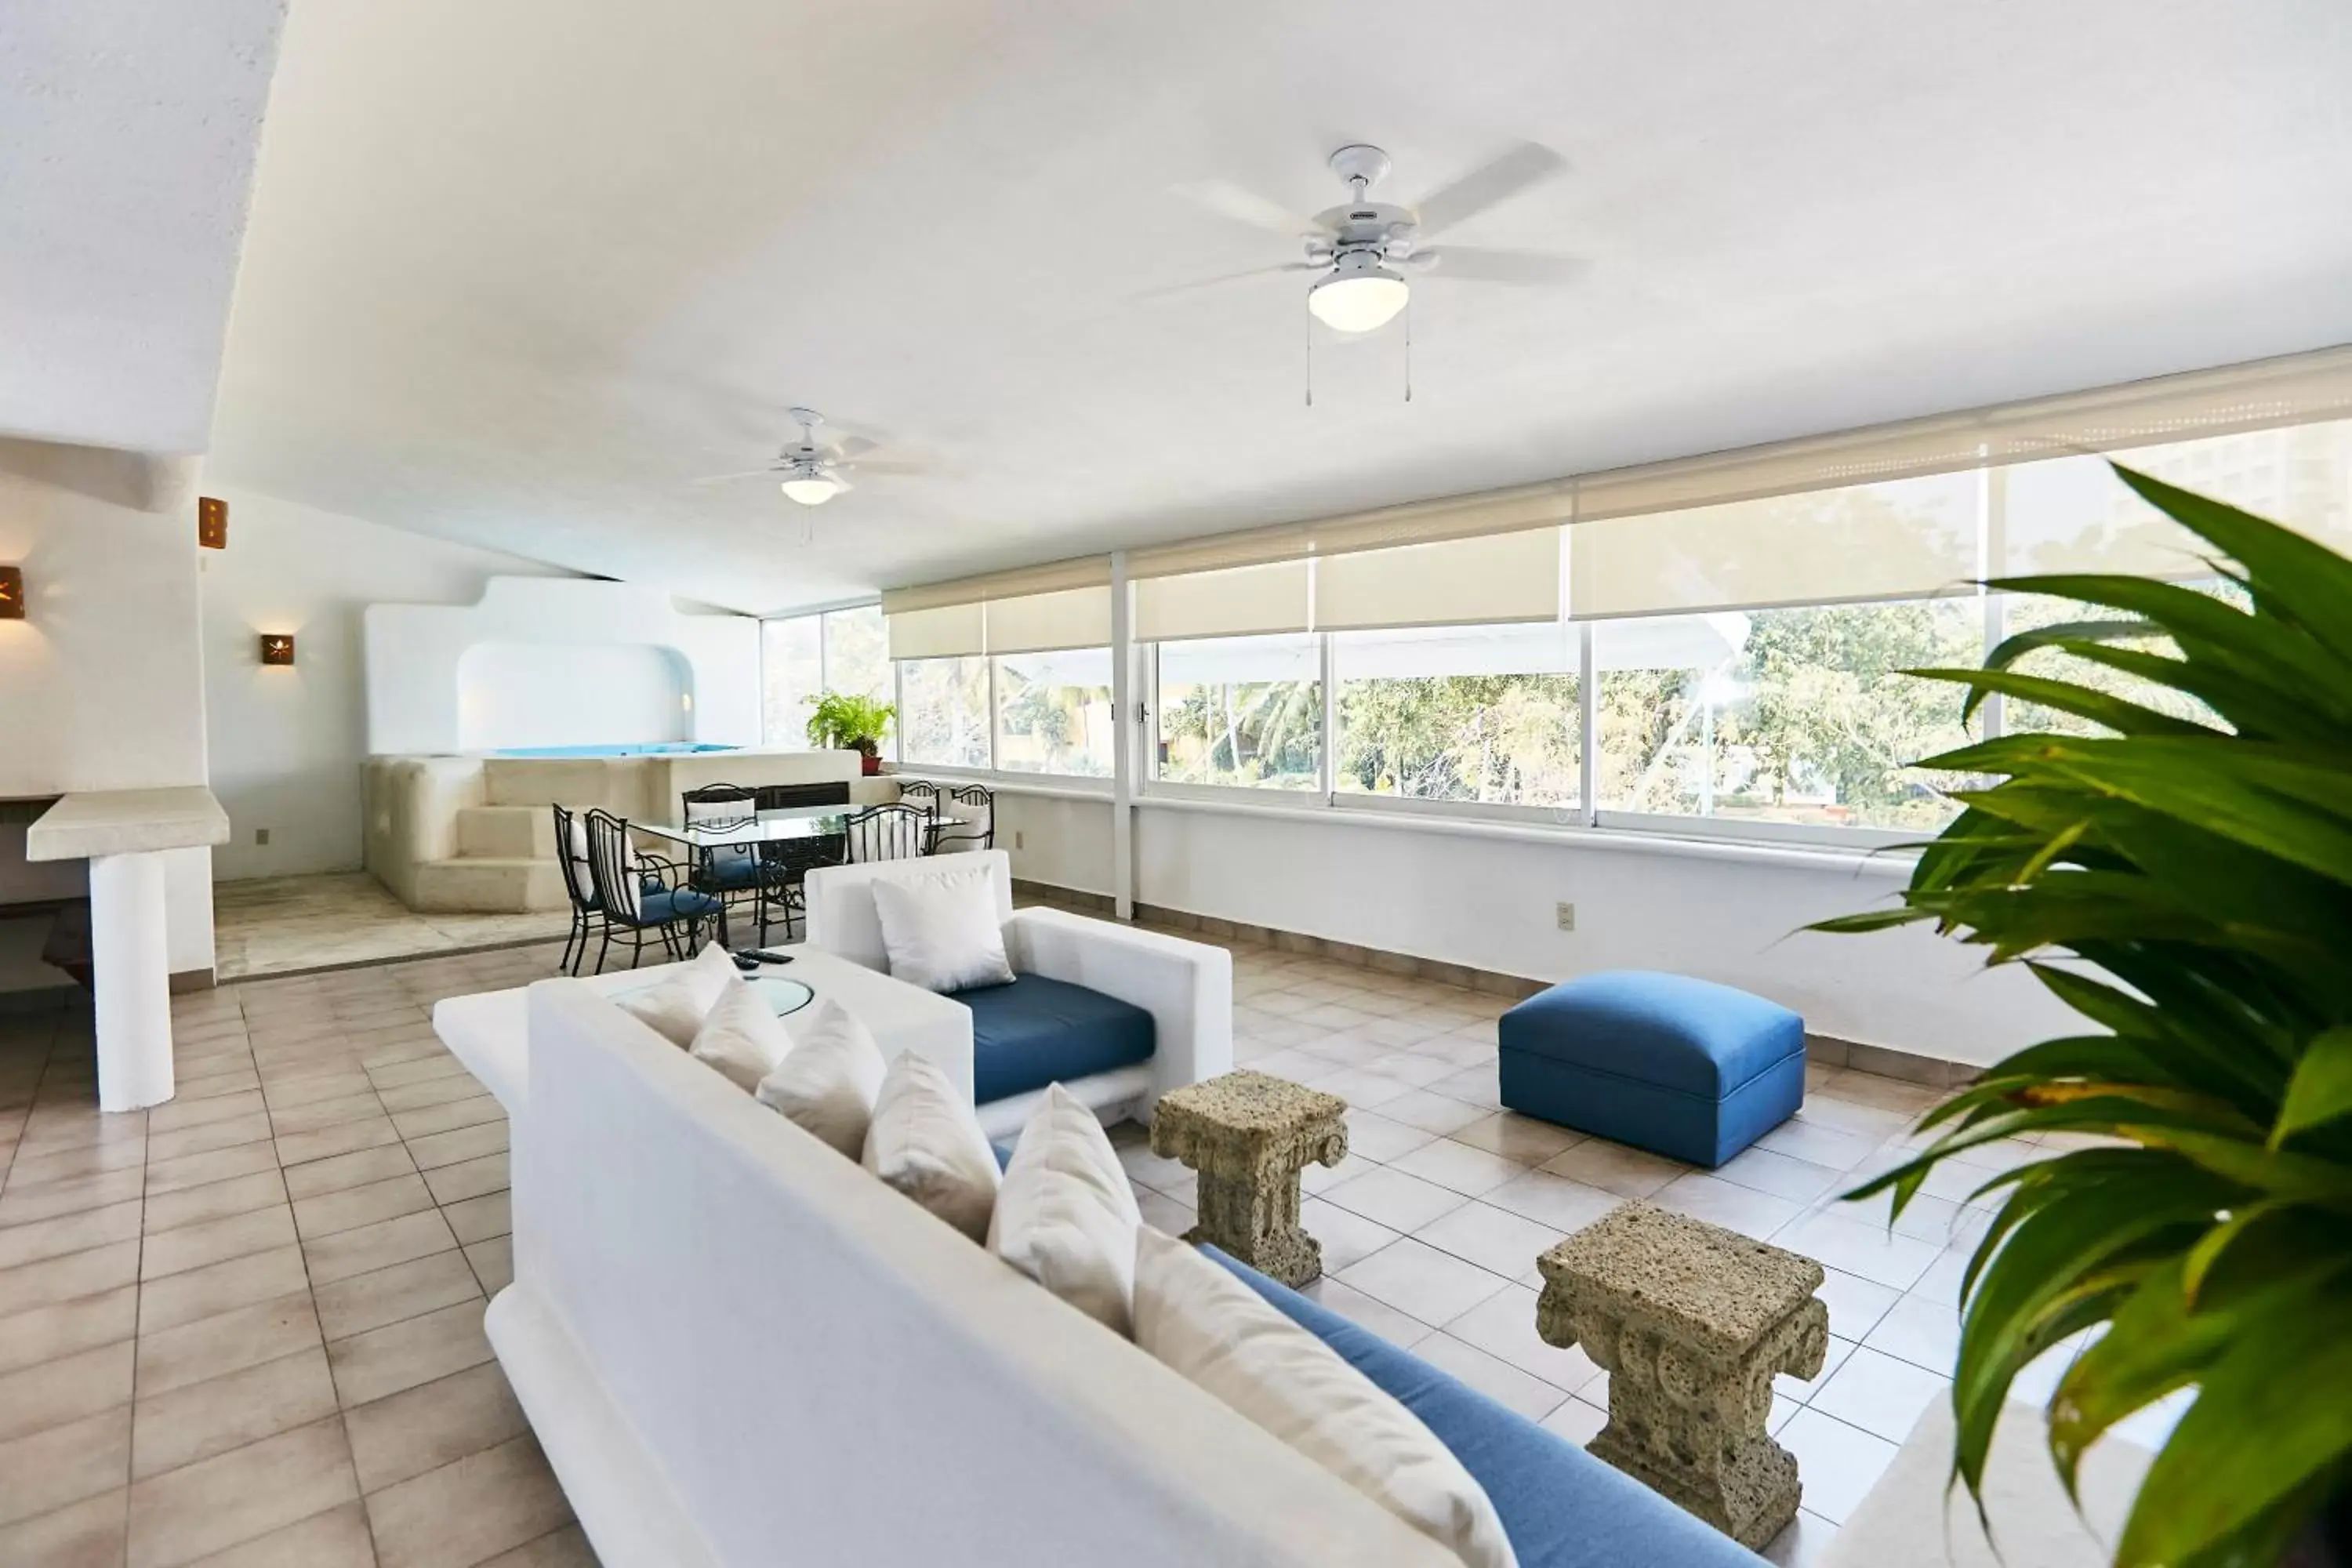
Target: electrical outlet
[1020, 840]
[261, 836]
[1565, 914]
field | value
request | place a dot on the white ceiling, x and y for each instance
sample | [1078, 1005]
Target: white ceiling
[518, 272]
[127, 139]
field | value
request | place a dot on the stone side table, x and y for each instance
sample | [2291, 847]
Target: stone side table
[1248, 1135]
[1692, 1321]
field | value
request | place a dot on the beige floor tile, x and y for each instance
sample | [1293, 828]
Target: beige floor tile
[320, 1114]
[427, 1094]
[566, 1548]
[210, 1078]
[176, 1113]
[366, 1302]
[309, 1089]
[471, 1111]
[68, 1388]
[340, 1171]
[203, 1170]
[216, 1241]
[468, 1179]
[441, 1064]
[86, 1534]
[466, 1512]
[57, 1280]
[76, 1196]
[432, 1424]
[210, 1136]
[353, 1207]
[38, 1240]
[380, 1246]
[66, 1328]
[335, 1539]
[184, 1514]
[371, 1132]
[187, 1425]
[493, 1260]
[217, 1287]
[401, 1355]
[478, 1219]
[466, 1143]
[30, 1169]
[64, 1464]
[214, 1200]
[227, 1343]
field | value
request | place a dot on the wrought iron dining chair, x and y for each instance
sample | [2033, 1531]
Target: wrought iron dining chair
[782, 796]
[976, 804]
[924, 796]
[731, 874]
[787, 862]
[642, 894]
[892, 832]
[587, 910]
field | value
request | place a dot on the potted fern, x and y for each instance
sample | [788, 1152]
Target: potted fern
[843, 721]
[2185, 885]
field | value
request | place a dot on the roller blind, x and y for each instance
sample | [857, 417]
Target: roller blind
[1463, 581]
[1086, 572]
[1907, 539]
[948, 631]
[1043, 623]
[1276, 597]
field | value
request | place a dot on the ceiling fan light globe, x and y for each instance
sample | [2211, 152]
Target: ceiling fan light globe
[811, 489]
[1359, 301]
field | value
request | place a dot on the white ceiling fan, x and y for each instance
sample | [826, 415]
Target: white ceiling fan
[813, 475]
[1364, 248]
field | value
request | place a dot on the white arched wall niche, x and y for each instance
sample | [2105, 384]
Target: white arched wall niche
[569, 654]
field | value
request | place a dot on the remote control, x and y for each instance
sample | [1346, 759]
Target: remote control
[761, 955]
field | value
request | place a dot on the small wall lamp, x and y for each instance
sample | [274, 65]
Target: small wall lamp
[212, 522]
[277, 647]
[12, 592]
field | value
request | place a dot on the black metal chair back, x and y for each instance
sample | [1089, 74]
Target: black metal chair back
[885, 833]
[570, 842]
[777, 797]
[718, 803]
[977, 799]
[612, 869]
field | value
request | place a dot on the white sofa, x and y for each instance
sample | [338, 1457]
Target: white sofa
[1186, 986]
[738, 1348]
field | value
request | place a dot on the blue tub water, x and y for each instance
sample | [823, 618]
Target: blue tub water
[645, 749]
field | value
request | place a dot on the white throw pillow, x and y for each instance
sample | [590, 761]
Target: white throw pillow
[941, 933]
[828, 1082]
[1065, 1216]
[743, 1037]
[1200, 1320]
[675, 1008]
[925, 1141]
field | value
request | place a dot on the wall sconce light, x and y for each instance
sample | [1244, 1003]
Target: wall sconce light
[12, 592]
[212, 522]
[277, 649]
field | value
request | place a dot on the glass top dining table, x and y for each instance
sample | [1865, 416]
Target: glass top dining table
[780, 826]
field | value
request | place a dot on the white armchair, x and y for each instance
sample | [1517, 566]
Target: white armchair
[1186, 986]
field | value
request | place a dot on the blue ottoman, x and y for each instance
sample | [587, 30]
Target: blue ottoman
[1680, 1067]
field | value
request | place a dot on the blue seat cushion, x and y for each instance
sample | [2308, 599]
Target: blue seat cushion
[730, 870]
[1561, 1507]
[1683, 1067]
[1038, 1031]
[681, 904]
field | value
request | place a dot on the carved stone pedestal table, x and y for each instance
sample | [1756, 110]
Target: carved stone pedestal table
[1248, 1135]
[1692, 1321]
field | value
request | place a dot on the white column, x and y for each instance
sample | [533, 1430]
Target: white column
[131, 972]
[1129, 732]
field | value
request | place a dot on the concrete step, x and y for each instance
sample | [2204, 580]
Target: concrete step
[490, 884]
[506, 833]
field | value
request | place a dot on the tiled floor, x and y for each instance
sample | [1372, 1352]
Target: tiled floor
[247, 1327]
[279, 924]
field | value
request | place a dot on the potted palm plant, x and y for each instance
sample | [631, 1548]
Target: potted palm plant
[843, 721]
[2185, 885]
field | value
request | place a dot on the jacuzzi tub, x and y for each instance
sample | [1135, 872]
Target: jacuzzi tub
[642, 748]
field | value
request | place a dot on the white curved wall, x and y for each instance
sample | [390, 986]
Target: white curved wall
[571, 694]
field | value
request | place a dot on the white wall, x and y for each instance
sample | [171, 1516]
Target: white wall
[1488, 898]
[556, 694]
[287, 744]
[101, 684]
[416, 656]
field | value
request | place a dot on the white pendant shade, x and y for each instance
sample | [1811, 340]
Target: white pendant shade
[1359, 301]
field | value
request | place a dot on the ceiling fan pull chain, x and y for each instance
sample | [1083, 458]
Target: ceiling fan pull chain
[1408, 349]
[1307, 321]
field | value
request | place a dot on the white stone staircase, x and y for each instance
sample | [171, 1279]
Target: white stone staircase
[505, 863]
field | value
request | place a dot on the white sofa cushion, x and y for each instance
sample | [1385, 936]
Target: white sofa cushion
[1198, 1319]
[741, 1036]
[1065, 1216]
[675, 1008]
[925, 1141]
[942, 932]
[828, 1082]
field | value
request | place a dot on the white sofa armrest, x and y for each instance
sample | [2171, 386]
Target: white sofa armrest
[1186, 986]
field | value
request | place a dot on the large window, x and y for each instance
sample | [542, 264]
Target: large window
[1490, 714]
[943, 712]
[792, 673]
[1241, 710]
[1052, 712]
[856, 652]
[1789, 715]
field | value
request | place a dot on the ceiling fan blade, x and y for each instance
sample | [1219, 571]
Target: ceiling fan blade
[1476, 264]
[854, 446]
[886, 466]
[1231, 201]
[1231, 278]
[1528, 164]
[747, 474]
